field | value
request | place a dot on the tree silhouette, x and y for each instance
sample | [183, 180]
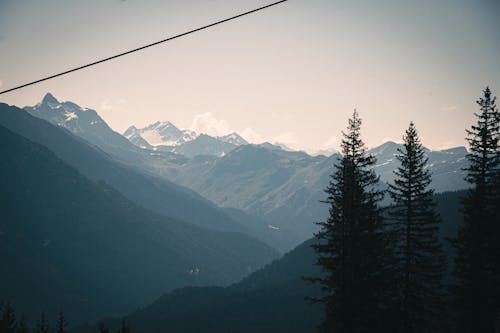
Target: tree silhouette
[352, 248]
[42, 325]
[61, 324]
[103, 328]
[421, 261]
[477, 262]
[124, 328]
[8, 320]
[22, 327]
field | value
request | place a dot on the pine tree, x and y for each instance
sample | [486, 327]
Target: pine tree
[477, 262]
[42, 325]
[352, 249]
[421, 261]
[124, 328]
[8, 320]
[22, 327]
[103, 328]
[61, 324]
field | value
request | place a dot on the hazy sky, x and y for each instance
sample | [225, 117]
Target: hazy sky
[291, 74]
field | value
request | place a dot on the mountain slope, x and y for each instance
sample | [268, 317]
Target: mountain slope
[286, 188]
[160, 134]
[165, 136]
[271, 300]
[69, 243]
[149, 191]
[283, 188]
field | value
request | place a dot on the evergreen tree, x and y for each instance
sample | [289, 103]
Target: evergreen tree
[124, 328]
[103, 328]
[477, 263]
[61, 324]
[421, 261]
[8, 320]
[22, 327]
[42, 325]
[352, 247]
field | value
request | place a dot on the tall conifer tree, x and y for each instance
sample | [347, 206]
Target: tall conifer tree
[8, 322]
[102, 328]
[42, 325]
[22, 327]
[124, 327]
[421, 261]
[477, 263]
[351, 247]
[61, 324]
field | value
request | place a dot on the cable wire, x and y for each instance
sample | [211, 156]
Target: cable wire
[144, 47]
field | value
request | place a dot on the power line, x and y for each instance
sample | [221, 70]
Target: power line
[143, 47]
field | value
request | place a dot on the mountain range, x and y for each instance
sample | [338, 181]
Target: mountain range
[280, 188]
[272, 299]
[165, 136]
[95, 224]
[71, 241]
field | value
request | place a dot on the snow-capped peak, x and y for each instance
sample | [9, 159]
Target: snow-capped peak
[233, 138]
[160, 133]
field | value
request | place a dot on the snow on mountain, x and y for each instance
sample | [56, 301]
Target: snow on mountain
[160, 134]
[233, 138]
[86, 123]
[66, 114]
[165, 136]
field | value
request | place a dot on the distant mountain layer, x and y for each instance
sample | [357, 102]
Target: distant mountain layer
[160, 133]
[146, 189]
[286, 188]
[87, 124]
[72, 244]
[165, 136]
[283, 188]
[271, 300]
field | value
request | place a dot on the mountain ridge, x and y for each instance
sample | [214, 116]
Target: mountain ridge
[75, 244]
[282, 187]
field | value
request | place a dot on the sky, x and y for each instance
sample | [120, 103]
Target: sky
[291, 74]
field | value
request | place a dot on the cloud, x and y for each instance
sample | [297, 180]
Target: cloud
[206, 123]
[1, 83]
[113, 106]
[286, 138]
[251, 136]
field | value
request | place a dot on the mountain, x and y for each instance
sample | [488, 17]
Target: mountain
[286, 188]
[161, 134]
[282, 188]
[165, 136]
[325, 152]
[233, 138]
[446, 166]
[202, 145]
[85, 123]
[148, 190]
[271, 300]
[70, 243]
